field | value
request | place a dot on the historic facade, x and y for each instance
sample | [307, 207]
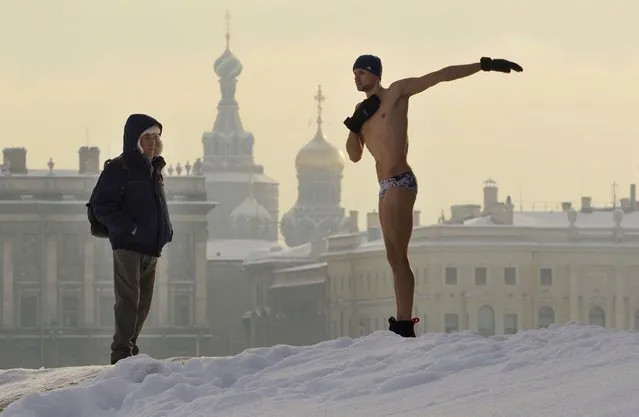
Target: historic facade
[495, 270]
[56, 286]
[288, 289]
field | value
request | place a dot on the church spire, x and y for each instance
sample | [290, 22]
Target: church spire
[227, 21]
[319, 98]
[228, 68]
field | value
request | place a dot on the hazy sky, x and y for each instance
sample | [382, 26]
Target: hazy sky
[565, 126]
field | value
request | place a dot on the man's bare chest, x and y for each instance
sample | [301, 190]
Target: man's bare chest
[382, 121]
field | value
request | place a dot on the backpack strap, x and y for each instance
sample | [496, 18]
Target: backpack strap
[119, 159]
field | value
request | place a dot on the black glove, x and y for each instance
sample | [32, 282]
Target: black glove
[501, 65]
[362, 113]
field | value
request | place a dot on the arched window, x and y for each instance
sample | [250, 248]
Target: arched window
[546, 317]
[486, 319]
[597, 316]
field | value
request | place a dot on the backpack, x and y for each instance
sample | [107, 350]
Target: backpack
[97, 228]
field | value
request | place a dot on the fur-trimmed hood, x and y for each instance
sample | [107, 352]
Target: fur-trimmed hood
[134, 127]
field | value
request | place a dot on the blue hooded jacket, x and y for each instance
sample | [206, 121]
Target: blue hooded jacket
[129, 197]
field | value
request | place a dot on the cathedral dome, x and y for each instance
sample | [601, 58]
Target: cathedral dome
[320, 154]
[227, 65]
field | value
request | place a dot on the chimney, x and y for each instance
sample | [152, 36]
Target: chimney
[416, 218]
[633, 197]
[373, 228]
[462, 212]
[353, 221]
[16, 160]
[490, 195]
[509, 212]
[565, 206]
[498, 213]
[89, 160]
[586, 204]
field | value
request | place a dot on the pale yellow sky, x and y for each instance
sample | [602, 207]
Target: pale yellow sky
[565, 126]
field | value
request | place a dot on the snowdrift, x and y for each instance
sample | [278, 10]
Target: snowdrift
[574, 370]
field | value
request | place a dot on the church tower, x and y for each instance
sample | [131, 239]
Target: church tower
[228, 161]
[317, 212]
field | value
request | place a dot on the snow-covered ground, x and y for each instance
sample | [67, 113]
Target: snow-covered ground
[569, 371]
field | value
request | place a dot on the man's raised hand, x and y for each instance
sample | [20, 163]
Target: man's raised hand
[362, 113]
[500, 65]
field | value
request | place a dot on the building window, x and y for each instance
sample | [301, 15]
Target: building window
[597, 316]
[481, 276]
[510, 275]
[70, 257]
[29, 310]
[545, 276]
[510, 323]
[181, 310]
[450, 275]
[70, 310]
[546, 317]
[181, 258]
[27, 258]
[451, 322]
[486, 321]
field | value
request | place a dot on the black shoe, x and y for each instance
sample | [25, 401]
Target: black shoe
[404, 328]
[116, 356]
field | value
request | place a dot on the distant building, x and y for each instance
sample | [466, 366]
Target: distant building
[56, 282]
[244, 257]
[317, 212]
[248, 199]
[229, 293]
[246, 218]
[495, 270]
[290, 298]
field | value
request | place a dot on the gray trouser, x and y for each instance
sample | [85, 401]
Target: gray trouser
[133, 282]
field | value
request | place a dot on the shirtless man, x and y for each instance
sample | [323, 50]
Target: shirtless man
[380, 123]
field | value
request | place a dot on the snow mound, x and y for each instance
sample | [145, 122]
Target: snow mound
[568, 371]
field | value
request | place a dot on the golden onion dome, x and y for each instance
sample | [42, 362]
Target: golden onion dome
[320, 154]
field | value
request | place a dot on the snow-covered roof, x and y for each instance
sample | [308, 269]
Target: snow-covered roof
[237, 249]
[560, 219]
[290, 277]
[530, 229]
[296, 253]
[56, 173]
[241, 177]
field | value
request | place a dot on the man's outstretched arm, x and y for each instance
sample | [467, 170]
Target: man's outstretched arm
[411, 86]
[415, 85]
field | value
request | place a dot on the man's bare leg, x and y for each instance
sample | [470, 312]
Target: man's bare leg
[396, 220]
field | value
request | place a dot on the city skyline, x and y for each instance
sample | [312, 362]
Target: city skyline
[516, 131]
